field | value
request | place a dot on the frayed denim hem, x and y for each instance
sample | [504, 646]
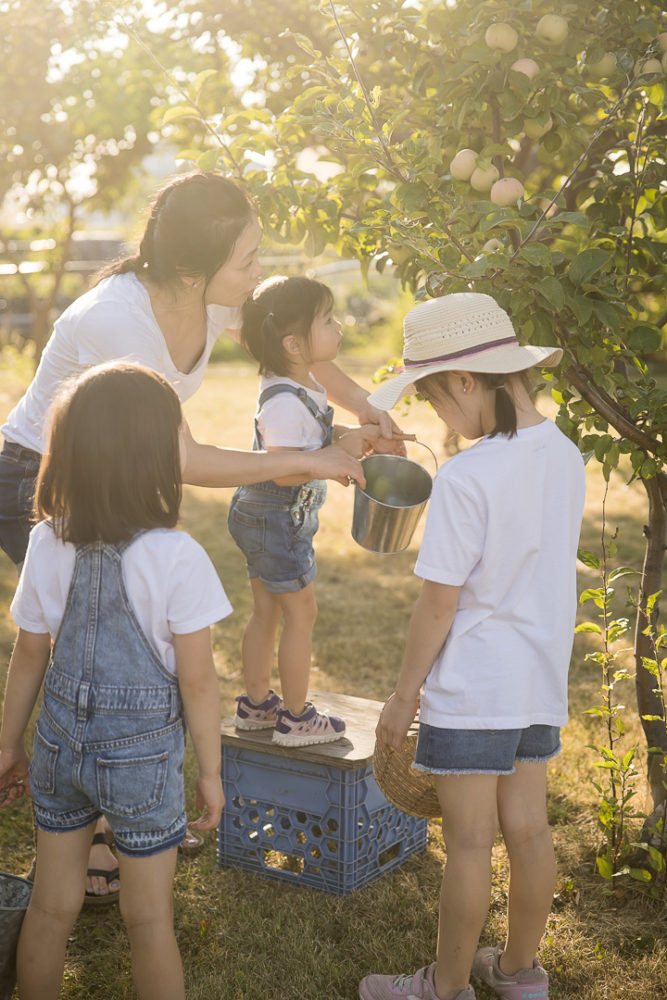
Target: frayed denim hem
[541, 760]
[459, 770]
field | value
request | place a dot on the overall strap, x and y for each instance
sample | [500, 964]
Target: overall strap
[324, 419]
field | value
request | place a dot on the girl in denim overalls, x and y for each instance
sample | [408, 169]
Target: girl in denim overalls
[114, 610]
[288, 326]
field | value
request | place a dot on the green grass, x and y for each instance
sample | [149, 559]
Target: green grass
[248, 938]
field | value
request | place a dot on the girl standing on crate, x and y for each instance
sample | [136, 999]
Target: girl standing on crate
[490, 639]
[288, 326]
[114, 609]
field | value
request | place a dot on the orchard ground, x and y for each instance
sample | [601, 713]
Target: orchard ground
[248, 938]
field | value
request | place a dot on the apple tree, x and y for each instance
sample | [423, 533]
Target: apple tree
[504, 146]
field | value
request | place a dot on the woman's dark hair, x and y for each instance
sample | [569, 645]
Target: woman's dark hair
[505, 411]
[279, 307]
[195, 221]
[112, 467]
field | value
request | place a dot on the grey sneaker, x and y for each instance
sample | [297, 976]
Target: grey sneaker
[418, 986]
[263, 716]
[526, 984]
[308, 728]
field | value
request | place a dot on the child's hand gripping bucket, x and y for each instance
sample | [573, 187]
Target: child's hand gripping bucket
[14, 899]
[387, 509]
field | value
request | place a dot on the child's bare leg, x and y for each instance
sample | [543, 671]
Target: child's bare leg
[523, 820]
[259, 639]
[55, 902]
[146, 904]
[299, 611]
[469, 826]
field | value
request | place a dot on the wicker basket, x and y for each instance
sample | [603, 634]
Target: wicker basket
[410, 791]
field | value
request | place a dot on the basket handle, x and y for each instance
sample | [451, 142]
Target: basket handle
[399, 436]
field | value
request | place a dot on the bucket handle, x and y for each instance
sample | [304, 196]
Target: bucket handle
[413, 437]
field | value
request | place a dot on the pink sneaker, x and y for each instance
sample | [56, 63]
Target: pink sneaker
[526, 984]
[308, 728]
[263, 716]
[418, 986]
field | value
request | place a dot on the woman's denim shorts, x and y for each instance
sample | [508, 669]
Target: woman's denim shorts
[274, 528]
[137, 787]
[483, 751]
[18, 472]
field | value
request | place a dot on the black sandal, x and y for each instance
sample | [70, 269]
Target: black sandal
[109, 898]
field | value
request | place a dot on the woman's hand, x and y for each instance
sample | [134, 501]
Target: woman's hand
[334, 463]
[358, 441]
[395, 719]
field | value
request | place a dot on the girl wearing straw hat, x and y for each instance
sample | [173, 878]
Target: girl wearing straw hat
[490, 638]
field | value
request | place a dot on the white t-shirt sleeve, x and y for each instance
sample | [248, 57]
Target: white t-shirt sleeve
[31, 606]
[453, 539]
[197, 598]
[284, 422]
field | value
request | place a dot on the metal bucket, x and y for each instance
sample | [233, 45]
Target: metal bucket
[14, 899]
[387, 510]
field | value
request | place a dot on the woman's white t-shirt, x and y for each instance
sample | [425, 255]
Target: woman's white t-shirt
[285, 422]
[171, 584]
[503, 525]
[112, 321]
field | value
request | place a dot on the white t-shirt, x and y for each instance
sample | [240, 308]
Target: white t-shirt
[284, 421]
[503, 525]
[112, 321]
[171, 584]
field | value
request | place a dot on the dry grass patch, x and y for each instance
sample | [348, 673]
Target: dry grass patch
[247, 938]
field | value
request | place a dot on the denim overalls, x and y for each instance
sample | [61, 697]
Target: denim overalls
[110, 737]
[274, 525]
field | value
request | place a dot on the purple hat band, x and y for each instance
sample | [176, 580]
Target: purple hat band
[466, 353]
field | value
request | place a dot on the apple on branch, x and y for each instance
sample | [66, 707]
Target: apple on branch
[463, 164]
[528, 67]
[534, 130]
[501, 36]
[482, 179]
[506, 191]
[552, 29]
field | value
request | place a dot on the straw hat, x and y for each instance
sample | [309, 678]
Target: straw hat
[410, 791]
[465, 331]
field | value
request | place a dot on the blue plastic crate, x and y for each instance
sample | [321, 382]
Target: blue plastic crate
[313, 816]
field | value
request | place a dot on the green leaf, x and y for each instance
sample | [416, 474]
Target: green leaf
[179, 111]
[586, 264]
[589, 558]
[536, 253]
[605, 867]
[551, 289]
[201, 79]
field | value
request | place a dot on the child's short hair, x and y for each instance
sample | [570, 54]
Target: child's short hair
[281, 306]
[113, 465]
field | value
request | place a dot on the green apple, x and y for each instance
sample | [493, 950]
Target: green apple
[463, 164]
[534, 130]
[645, 66]
[604, 67]
[506, 191]
[482, 180]
[664, 62]
[526, 66]
[662, 41]
[501, 36]
[493, 244]
[552, 29]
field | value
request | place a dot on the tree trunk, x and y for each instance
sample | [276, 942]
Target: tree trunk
[650, 695]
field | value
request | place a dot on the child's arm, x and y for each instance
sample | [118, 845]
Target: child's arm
[431, 621]
[27, 667]
[198, 684]
[357, 441]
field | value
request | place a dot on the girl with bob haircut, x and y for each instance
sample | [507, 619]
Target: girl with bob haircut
[489, 642]
[114, 608]
[288, 326]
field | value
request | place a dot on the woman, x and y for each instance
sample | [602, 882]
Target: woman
[164, 308]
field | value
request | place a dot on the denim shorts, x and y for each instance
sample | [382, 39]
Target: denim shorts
[483, 751]
[18, 473]
[274, 527]
[137, 786]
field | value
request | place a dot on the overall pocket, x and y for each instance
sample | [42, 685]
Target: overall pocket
[131, 787]
[43, 765]
[247, 530]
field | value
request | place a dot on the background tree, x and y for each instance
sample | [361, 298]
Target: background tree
[566, 111]
[82, 111]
